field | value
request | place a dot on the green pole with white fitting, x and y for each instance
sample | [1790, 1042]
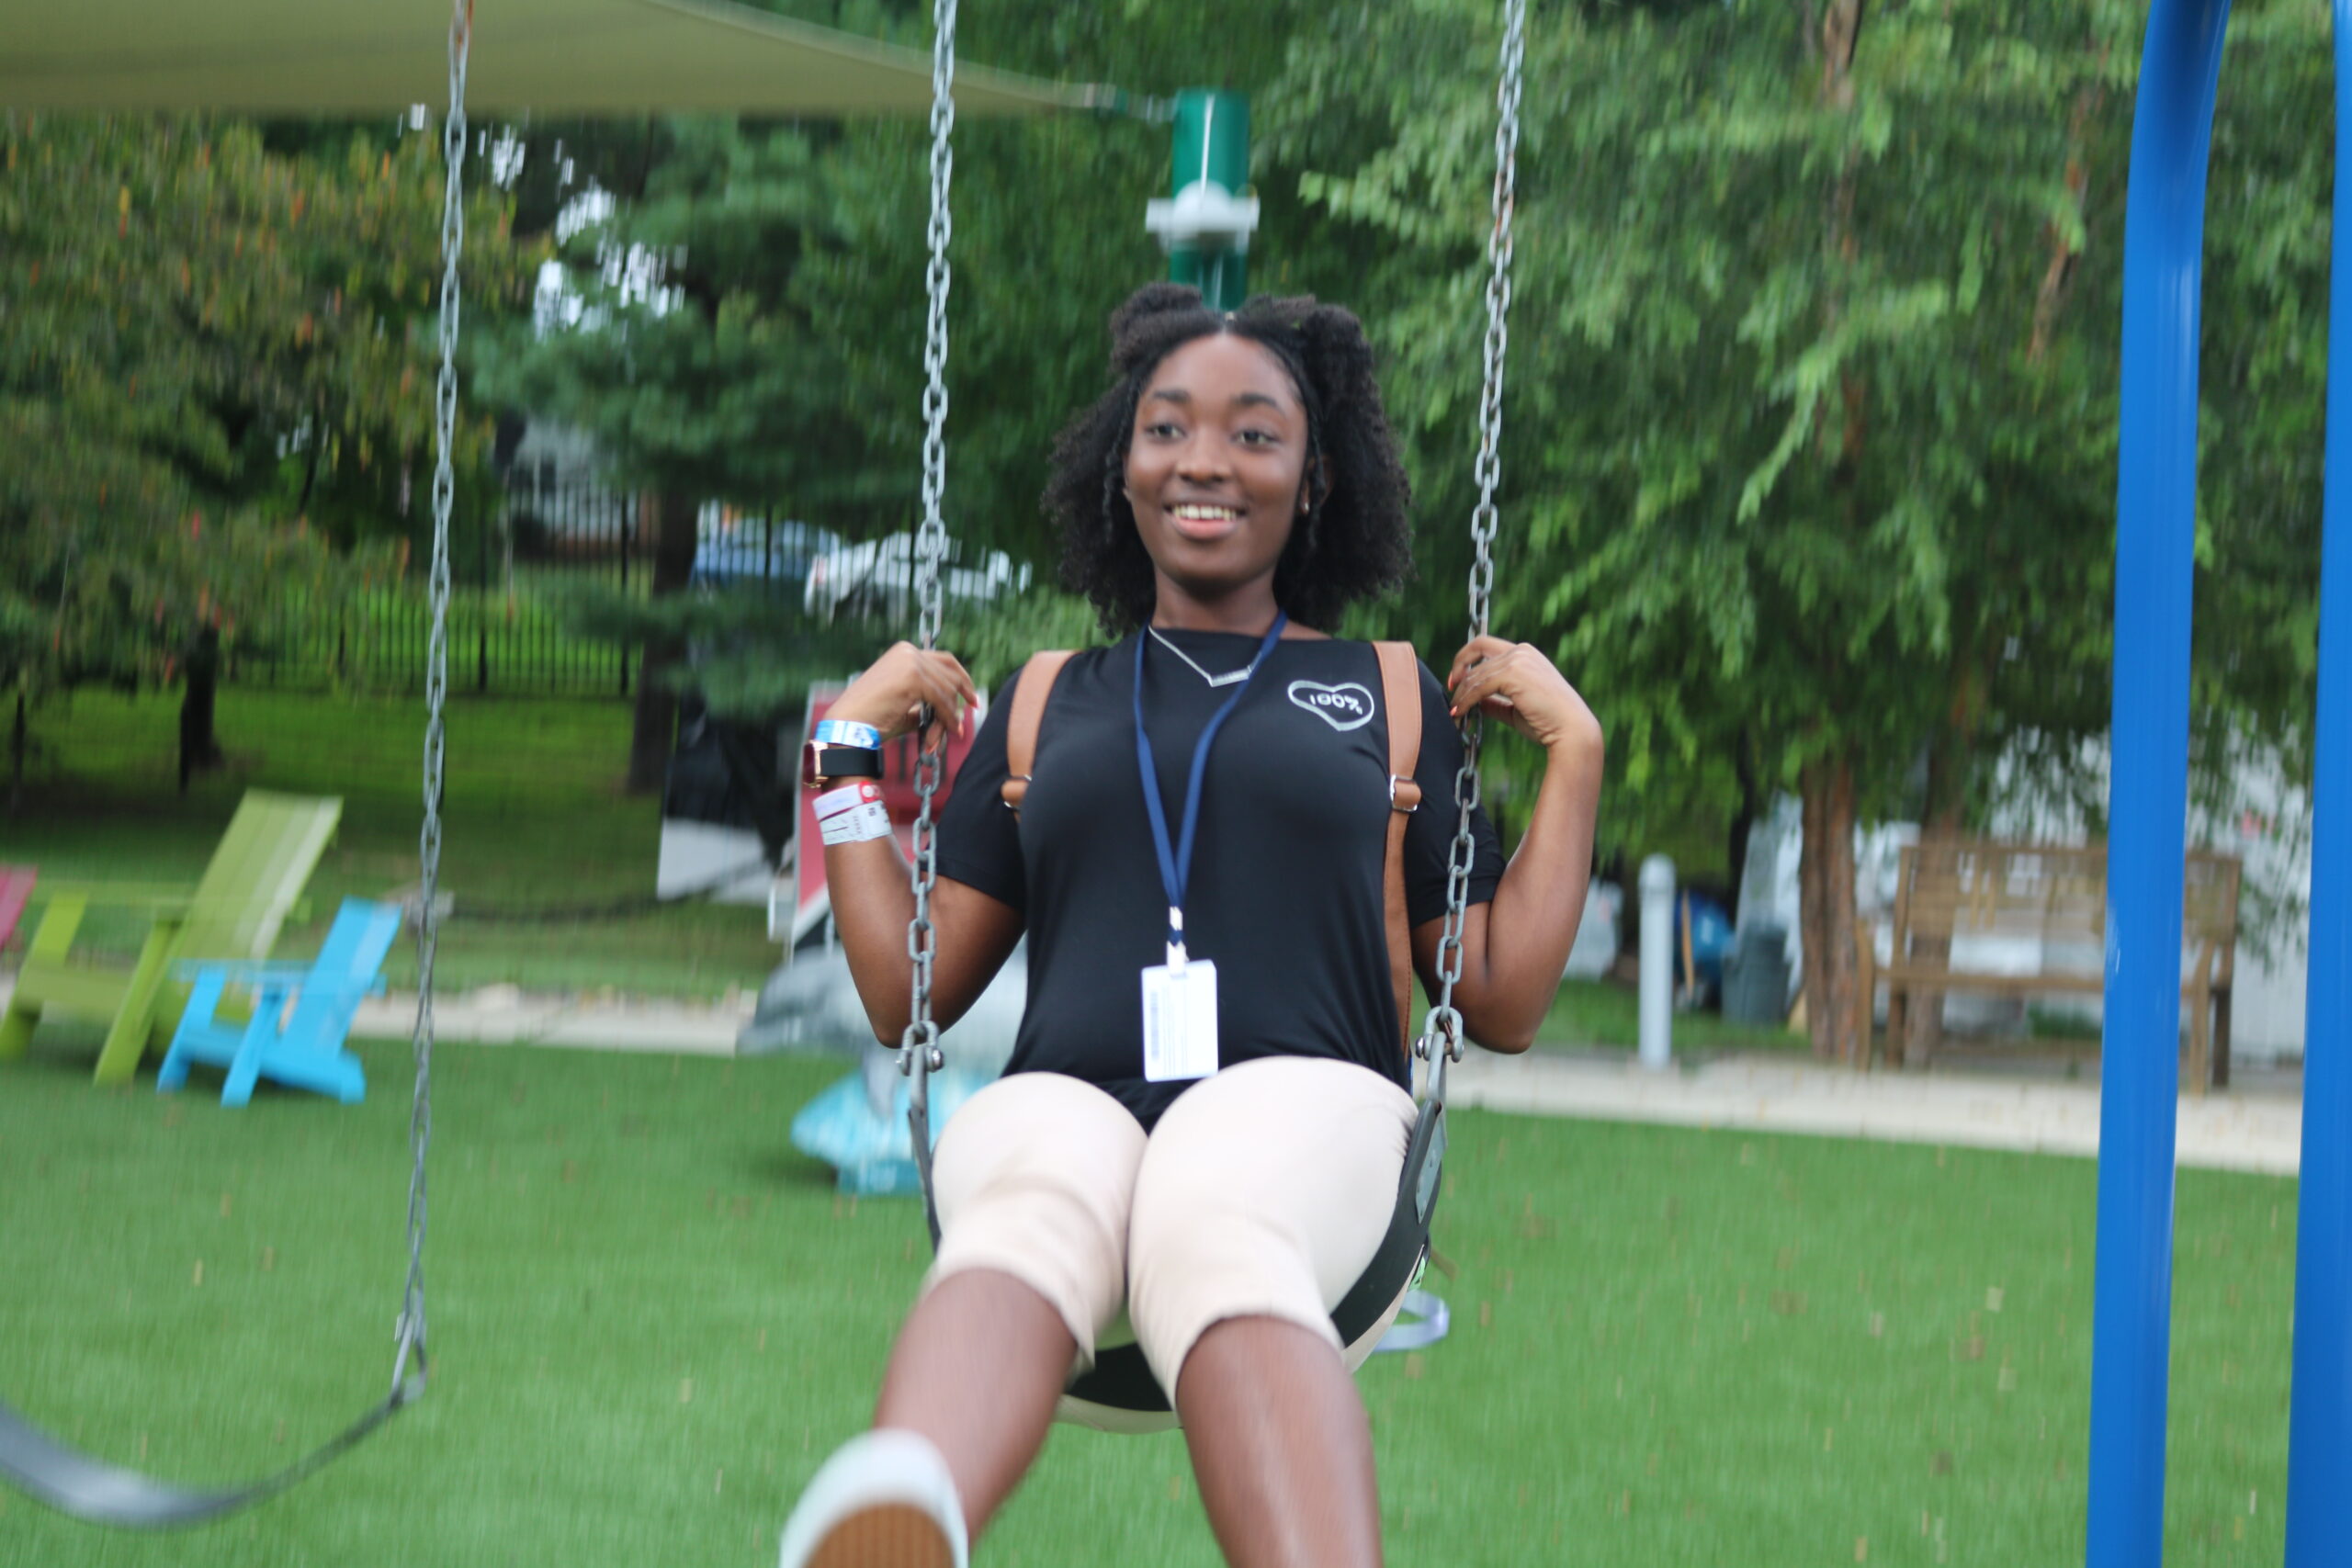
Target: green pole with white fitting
[1205, 223]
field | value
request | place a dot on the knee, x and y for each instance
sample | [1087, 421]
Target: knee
[1208, 1265]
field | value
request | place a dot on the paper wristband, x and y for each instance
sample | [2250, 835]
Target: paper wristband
[847, 732]
[848, 797]
[853, 814]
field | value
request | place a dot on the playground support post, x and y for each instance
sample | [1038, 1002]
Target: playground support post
[1206, 221]
[2319, 1454]
[2155, 525]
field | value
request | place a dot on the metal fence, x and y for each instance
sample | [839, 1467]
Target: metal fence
[506, 633]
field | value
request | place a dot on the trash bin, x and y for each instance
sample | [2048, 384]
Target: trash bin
[1756, 977]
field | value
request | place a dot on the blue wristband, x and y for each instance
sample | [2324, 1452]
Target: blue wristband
[847, 732]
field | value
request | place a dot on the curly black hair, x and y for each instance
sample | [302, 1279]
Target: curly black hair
[1355, 540]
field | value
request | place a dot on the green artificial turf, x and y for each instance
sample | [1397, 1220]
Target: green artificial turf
[651, 1318]
[535, 820]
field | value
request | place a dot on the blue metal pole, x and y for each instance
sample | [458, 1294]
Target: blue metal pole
[2164, 237]
[2319, 1454]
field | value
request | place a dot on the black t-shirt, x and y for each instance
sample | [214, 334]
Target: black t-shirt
[1286, 891]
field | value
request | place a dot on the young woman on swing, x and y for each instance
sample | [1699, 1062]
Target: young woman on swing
[1223, 1170]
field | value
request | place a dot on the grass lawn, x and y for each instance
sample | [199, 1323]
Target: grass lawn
[534, 820]
[651, 1318]
[1603, 1014]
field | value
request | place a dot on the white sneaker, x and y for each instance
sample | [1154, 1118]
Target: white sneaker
[884, 1500]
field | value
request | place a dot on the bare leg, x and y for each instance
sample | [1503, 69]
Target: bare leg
[1281, 1445]
[977, 1367]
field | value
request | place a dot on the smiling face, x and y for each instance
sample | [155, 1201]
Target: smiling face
[1216, 466]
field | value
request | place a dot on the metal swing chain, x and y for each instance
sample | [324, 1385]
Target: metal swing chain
[919, 1053]
[405, 1384]
[1440, 1038]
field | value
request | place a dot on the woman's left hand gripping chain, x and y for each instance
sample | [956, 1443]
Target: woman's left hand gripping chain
[1514, 683]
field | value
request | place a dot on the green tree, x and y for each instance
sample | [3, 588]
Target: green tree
[2265, 371]
[775, 364]
[1810, 445]
[1807, 458]
[185, 319]
[699, 376]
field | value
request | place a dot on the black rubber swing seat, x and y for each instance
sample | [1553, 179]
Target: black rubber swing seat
[97, 1493]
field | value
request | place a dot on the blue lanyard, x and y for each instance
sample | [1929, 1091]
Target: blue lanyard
[1176, 863]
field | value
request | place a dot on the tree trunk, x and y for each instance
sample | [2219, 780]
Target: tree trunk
[1754, 801]
[1832, 977]
[1841, 32]
[2064, 251]
[311, 465]
[657, 704]
[16, 758]
[1825, 880]
[199, 747]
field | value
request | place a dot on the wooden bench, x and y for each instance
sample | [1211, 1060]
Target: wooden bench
[1953, 889]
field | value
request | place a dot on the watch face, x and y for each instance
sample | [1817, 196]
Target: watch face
[823, 761]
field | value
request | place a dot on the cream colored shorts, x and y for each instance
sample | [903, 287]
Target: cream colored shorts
[1264, 1191]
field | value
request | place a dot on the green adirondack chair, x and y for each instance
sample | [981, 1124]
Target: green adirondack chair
[264, 859]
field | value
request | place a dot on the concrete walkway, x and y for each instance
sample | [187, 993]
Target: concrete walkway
[2247, 1129]
[506, 1015]
[2251, 1131]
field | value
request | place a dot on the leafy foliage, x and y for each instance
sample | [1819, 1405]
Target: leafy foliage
[1792, 475]
[1809, 466]
[777, 362]
[1810, 448]
[213, 369]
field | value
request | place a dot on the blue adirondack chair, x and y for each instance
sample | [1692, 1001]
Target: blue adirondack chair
[301, 1013]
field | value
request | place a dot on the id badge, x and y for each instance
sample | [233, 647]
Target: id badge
[1180, 1020]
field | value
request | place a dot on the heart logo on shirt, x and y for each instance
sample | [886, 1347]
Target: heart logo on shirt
[1347, 706]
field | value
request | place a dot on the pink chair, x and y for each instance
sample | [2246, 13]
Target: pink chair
[16, 892]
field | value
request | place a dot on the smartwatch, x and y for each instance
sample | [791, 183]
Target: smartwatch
[824, 763]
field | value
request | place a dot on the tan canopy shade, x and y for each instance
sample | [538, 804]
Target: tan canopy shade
[577, 57]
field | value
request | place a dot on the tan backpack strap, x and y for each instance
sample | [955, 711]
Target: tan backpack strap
[1400, 697]
[1028, 714]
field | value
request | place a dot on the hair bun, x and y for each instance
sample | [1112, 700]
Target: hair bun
[1151, 300]
[1331, 342]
